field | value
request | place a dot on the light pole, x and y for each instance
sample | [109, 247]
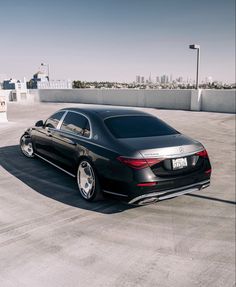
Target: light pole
[46, 65]
[196, 47]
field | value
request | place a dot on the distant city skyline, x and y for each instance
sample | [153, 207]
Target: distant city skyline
[168, 78]
[110, 40]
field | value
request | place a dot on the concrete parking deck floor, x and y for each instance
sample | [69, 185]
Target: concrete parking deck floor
[50, 237]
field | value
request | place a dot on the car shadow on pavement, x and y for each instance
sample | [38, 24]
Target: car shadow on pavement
[212, 198]
[53, 183]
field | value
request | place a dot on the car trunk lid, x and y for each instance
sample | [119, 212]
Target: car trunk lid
[168, 146]
[178, 153]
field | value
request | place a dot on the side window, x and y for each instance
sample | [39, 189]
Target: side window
[53, 121]
[75, 123]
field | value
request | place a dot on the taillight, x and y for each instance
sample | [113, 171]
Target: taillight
[202, 153]
[208, 171]
[147, 183]
[138, 163]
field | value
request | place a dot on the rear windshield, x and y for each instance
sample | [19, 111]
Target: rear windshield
[138, 126]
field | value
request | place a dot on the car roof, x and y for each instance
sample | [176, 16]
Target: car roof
[107, 111]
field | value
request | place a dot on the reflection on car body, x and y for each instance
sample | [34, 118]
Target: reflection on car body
[123, 152]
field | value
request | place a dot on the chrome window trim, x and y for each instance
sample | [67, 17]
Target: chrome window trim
[90, 125]
[58, 121]
[61, 120]
[84, 139]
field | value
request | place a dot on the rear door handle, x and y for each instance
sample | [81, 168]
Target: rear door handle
[69, 141]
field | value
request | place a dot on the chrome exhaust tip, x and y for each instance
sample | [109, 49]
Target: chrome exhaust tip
[147, 201]
[205, 186]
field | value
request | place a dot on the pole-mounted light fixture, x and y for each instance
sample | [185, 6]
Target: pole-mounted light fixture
[196, 47]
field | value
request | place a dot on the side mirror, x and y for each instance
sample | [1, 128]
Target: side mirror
[39, 123]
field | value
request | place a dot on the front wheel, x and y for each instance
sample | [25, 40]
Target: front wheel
[87, 181]
[26, 146]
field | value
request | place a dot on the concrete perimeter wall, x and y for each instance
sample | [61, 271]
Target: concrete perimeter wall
[218, 101]
[168, 99]
[195, 100]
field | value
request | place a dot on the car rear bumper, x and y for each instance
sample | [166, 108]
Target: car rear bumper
[161, 195]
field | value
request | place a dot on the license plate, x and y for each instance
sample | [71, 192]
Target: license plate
[179, 163]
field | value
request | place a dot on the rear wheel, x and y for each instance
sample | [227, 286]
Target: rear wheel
[87, 181]
[26, 146]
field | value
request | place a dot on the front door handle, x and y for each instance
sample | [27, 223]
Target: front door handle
[48, 132]
[71, 142]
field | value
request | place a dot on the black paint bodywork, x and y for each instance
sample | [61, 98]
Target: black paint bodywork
[66, 149]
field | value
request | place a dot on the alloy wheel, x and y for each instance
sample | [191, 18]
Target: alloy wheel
[86, 179]
[26, 146]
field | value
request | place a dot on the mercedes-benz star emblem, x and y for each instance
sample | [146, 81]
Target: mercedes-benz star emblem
[181, 149]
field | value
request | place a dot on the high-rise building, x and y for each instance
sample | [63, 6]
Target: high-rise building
[142, 80]
[137, 79]
[157, 79]
[164, 79]
[150, 78]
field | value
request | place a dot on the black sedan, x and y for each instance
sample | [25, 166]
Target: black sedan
[119, 151]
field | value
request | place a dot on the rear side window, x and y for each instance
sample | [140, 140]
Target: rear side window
[53, 121]
[138, 126]
[76, 123]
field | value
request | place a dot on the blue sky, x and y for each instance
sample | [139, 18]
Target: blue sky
[117, 40]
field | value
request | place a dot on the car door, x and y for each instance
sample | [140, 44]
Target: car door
[42, 136]
[68, 140]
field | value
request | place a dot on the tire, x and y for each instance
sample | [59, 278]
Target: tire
[26, 146]
[87, 181]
